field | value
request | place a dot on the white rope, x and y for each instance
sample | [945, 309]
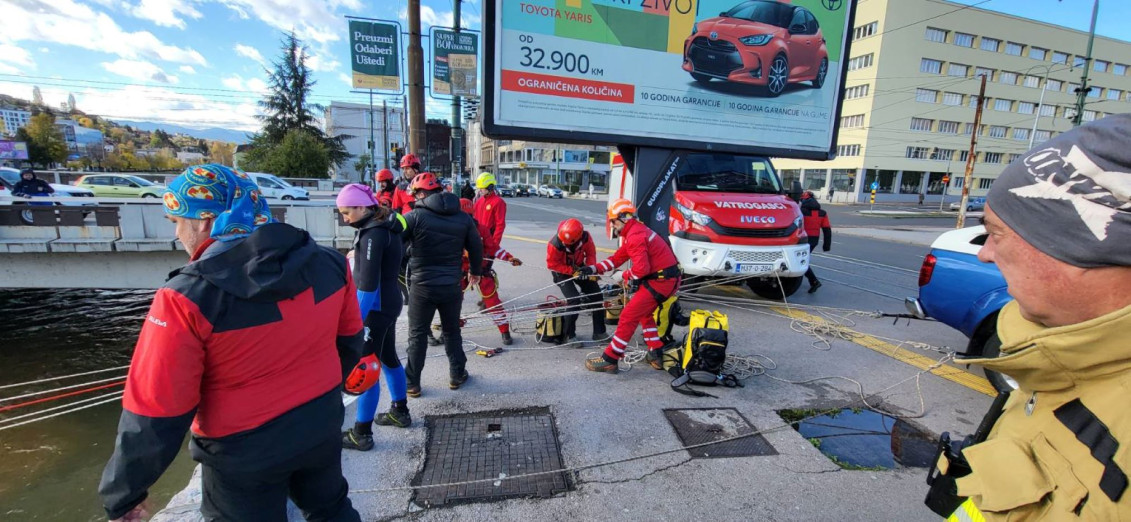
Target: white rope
[61, 377]
[33, 394]
[68, 405]
[53, 415]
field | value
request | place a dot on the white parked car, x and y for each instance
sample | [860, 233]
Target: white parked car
[9, 177]
[274, 187]
[549, 191]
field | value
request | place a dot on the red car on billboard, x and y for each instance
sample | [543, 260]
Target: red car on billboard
[758, 42]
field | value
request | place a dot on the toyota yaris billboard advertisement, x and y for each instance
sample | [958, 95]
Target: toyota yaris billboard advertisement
[751, 76]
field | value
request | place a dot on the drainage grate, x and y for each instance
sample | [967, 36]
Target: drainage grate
[701, 425]
[490, 445]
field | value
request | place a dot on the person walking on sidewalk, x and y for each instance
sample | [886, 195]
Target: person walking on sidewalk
[248, 344]
[438, 233]
[816, 225]
[1059, 224]
[654, 267]
[570, 249]
[491, 215]
[377, 250]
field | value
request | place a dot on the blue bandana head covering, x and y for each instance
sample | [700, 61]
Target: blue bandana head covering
[223, 194]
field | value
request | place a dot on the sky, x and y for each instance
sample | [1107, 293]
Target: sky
[200, 63]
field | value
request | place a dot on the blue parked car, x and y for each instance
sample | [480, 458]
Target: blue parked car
[964, 293]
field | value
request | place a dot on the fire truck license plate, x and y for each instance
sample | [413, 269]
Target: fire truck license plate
[754, 268]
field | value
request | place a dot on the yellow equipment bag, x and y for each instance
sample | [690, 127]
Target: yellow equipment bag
[701, 358]
[549, 326]
[613, 307]
[667, 316]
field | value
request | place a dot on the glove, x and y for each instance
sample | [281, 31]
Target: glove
[587, 270]
[516, 261]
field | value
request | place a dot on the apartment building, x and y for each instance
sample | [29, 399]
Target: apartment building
[911, 94]
[353, 120]
[12, 119]
[571, 167]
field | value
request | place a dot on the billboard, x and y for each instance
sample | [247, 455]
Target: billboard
[455, 62]
[749, 76]
[13, 150]
[375, 55]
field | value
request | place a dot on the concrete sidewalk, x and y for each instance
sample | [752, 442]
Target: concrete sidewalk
[604, 421]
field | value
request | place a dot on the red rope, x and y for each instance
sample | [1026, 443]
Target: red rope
[62, 396]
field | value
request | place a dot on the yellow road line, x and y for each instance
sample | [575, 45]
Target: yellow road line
[544, 241]
[950, 373]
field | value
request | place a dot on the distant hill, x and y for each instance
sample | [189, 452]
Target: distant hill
[211, 133]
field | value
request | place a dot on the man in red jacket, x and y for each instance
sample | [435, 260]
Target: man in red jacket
[816, 224]
[402, 197]
[385, 186]
[248, 344]
[491, 215]
[569, 250]
[654, 266]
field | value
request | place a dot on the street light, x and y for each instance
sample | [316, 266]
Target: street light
[1040, 102]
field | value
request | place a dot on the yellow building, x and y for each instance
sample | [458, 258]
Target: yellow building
[912, 88]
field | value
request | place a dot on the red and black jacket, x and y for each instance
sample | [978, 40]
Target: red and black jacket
[249, 344]
[566, 259]
[816, 223]
[650, 254]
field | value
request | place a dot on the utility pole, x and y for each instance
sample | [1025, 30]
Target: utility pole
[457, 149]
[1082, 93]
[417, 136]
[1040, 103]
[372, 144]
[968, 178]
[385, 131]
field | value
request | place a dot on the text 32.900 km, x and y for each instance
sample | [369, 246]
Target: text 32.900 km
[538, 58]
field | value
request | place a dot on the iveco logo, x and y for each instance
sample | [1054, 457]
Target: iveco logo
[714, 35]
[756, 219]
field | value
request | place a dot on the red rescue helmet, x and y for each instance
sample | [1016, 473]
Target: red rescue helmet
[385, 201]
[364, 376]
[466, 205]
[424, 181]
[384, 175]
[620, 206]
[410, 161]
[569, 231]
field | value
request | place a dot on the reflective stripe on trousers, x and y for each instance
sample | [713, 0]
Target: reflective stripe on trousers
[967, 512]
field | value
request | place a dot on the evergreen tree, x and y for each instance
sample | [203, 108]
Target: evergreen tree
[286, 107]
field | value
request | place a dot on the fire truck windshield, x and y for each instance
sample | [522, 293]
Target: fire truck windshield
[727, 173]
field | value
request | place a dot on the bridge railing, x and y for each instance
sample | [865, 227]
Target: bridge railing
[139, 226]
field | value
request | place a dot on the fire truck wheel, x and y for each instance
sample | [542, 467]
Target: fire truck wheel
[768, 288]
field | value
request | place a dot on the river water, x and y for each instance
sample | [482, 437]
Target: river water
[49, 470]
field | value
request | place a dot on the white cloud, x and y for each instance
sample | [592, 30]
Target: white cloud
[311, 20]
[238, 83]
[165, 12]
[250, 52]
[149, 103]
[322, 62]
[44, 50]
[429, 16]
[14, 58]
[187, 69]
[70, 23]
[346, 79]
[139, 70]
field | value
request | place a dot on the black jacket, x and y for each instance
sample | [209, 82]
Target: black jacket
[467, 192]
[378, 250]
[438, 232]
[31, 187]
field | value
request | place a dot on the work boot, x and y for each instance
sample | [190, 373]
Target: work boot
[396, 416]
[456, 382]
[413, 391]
[814, 286]
[653, 357]
[355, 440]
[507, 340]
[600, 364]
[601, 337]
[435, 341]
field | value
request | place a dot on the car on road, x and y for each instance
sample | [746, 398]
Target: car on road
[964, 293]
[120, 186]
[972, 204]
[549, 191]
[274, 187]
[506, 191]
[522, 191]
[764, 43]
[9, 177]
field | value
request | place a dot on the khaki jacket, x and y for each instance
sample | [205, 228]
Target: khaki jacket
[1032, 466]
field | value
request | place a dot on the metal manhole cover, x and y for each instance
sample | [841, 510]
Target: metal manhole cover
[490, 445]
[701, 425]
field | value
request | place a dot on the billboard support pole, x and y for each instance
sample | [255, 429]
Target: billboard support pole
[457, 135]
[417, 136]
[372, 152]
[385, 131]
[970, 157]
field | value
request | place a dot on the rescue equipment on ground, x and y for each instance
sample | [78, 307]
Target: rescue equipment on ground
[489, 353]
[667, 316]
[700, 358]
[615, 300]
[549, 325]
[364, 376]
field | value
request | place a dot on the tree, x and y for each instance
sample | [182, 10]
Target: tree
[299, 155]
[36, 96]
[363, 164]
[71, 105]
[286, 108]
[221, 152]
[45, 143]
